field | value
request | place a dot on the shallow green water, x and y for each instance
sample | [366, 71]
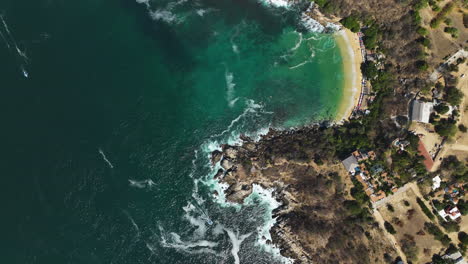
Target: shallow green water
[152, 94]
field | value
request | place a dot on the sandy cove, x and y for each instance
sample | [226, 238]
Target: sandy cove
[350, 49]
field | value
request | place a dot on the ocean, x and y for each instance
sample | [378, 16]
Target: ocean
[111, 108]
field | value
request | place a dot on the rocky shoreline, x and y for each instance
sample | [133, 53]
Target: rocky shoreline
[312, 225]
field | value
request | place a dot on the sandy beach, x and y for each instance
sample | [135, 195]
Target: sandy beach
[352, 59]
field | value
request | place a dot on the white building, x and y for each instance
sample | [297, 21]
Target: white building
[453, 213]
[421, 111]
[436, 182]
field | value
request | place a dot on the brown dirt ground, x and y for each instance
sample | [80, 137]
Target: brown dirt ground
[459, 147]
[424, 242]
[442, 43]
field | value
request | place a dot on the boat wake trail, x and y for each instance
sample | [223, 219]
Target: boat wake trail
[105, 159]
[10, 42]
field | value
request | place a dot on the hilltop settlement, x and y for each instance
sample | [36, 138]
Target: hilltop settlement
[389, 184]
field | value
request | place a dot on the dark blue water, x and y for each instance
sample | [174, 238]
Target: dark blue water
[105, 143]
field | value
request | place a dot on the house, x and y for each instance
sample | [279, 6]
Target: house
[421, 111]
[451, 212]
[378, 196]
[456, 257]
[350, 163]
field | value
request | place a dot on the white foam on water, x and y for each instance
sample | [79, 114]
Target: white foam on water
[265, 197]
[311, 24]
[276, 3]
[193, 247]
[230, 85]
[164, 15]
[141, 184]
[199, 221]
[146, 2]
[105, 159]
[298, 43]
[236, 241]
[299, 65]
[333, 27]
[235, 48]
[201, 12]
[137, 229]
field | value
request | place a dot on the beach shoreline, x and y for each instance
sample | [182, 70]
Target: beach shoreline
[350, 49]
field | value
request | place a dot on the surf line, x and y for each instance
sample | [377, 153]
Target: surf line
[105, 159]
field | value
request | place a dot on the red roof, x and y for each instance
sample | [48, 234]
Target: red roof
[428, 162]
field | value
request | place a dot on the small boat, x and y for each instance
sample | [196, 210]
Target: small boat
[25, 73]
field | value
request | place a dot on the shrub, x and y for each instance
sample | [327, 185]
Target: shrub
[425, 209]
[448, 21]
[389, 228]
[437, 233]
[420, 4]
[422, 31]
[452, 31]
[435, 22]
[462, 128]
[406, 203]
[353, 207]
[425, 42]
[451, 226]
[390, 208]
[422, 65]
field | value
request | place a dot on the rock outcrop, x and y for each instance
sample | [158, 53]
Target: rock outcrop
[312, 224]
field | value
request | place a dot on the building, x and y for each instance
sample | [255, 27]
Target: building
[421, 111]
[451, 212]
[456, 257]
[436, 182]
[351, 163]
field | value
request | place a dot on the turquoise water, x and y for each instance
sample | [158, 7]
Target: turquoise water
[105, 144]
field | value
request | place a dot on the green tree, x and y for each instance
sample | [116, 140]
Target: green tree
[453, 96]
[441, 108]
[352, 23]
[389, 228]
[463, 237]
[446, 128]
[369, 70]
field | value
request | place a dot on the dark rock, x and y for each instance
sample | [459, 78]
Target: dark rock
[219, 174]
[216, 156]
